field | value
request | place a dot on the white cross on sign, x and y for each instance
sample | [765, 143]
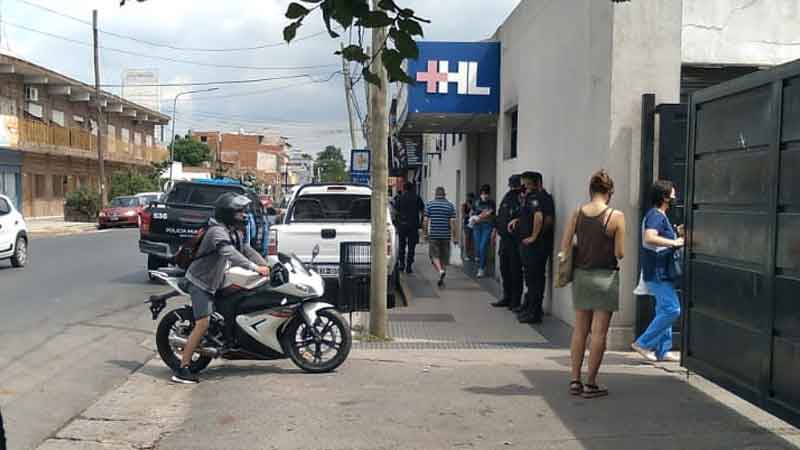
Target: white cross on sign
[466, 78]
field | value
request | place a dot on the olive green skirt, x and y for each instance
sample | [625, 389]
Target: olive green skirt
[596, 289]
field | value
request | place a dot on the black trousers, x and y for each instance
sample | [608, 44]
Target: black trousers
[511, 271]
[409, 238]
[534, 263]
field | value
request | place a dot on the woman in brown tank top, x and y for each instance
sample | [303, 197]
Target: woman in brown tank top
[600, 234]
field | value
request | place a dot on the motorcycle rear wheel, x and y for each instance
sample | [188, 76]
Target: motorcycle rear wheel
[306, 353]
[181, 321]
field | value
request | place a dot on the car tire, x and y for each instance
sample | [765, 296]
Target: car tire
[20, 256]
[101, 227]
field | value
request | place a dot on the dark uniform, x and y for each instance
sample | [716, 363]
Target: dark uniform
[510, 262]
[409, 209]
[534, 257]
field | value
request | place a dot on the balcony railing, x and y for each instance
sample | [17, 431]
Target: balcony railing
[32, 132]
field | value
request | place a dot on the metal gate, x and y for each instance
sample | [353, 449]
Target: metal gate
[742, 320]
[668, 163]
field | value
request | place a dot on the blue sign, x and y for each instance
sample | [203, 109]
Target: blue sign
[455, 77]
[360, 164]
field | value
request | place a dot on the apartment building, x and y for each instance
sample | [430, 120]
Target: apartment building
[249, 153]
[49, 135]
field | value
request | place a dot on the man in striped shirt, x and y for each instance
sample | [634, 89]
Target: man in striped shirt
[440, 225]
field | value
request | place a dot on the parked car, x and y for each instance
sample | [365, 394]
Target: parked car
[182, 212]
[121, 211]
[149, 197]
[329, 214]
[13, 234]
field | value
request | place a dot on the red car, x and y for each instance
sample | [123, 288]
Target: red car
[121, 211]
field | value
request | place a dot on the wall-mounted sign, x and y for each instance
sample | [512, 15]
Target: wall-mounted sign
[360, 164]
[405, 151]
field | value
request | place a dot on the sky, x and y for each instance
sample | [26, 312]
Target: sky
[174, 37]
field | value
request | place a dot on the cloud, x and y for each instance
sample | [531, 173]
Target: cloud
[313, 115]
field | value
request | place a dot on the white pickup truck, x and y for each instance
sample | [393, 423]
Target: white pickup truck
[329, 214]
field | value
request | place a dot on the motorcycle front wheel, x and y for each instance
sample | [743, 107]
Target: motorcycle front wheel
[325, 354]
[177, 323]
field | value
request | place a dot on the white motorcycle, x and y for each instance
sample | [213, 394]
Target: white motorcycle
[257, 318]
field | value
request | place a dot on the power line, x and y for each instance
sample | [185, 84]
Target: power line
[172, 47]
[260, 92]
[181, 61]
[212, 83]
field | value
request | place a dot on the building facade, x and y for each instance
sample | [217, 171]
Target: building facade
[571, 78]
[49, 134]
[249, 153]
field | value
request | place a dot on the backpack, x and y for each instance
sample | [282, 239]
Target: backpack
[188, 251]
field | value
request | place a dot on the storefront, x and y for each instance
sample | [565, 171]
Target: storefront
[10, 175]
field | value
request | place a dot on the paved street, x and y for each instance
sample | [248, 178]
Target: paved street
[72, 328]
[458, 375]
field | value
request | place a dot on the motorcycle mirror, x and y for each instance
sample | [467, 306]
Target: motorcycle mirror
[315, 252]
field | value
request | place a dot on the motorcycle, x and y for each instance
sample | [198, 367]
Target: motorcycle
[257, 318]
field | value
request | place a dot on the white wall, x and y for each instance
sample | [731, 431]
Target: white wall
[444, 172]
[576, 70]
[751, 32]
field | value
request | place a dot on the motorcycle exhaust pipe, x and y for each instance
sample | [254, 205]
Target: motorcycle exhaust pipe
[210, 352]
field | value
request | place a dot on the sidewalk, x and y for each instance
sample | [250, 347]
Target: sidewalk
[459, 374]
[57, 227]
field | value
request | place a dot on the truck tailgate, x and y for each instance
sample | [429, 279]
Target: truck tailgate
[300, 238]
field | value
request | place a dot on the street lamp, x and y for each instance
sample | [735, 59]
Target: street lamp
[174, 108]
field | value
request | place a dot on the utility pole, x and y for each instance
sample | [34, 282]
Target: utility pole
[379, 123]
[100, 121]
[348, 98]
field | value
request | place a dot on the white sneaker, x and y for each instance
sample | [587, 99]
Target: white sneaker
[646, 354]
[481, 273]
[671, 357]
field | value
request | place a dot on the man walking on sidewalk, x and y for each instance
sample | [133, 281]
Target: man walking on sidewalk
[409, 211]
[440, 226]
[510, 262]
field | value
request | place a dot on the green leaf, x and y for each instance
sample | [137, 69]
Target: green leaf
[296, 11]
[375, 19]
[327, 9]
[343, 12]
[388, 5]
[290, 31]
[404, 44]
[410, 26]
[406, 12]
[360, 8]
[354, 53]
[370, 77]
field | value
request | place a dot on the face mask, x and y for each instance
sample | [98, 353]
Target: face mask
[484, 197]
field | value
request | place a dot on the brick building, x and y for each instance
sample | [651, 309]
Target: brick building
[49, 132]
[257, 154]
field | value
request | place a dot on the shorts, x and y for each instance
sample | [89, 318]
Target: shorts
[202, 302]
[440, 249]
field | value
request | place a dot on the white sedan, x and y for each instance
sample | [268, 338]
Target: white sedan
[13, 234]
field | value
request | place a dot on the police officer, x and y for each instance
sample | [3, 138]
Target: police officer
[535, 232]
[510, 262]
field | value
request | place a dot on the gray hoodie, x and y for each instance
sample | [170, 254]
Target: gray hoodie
[218, 243]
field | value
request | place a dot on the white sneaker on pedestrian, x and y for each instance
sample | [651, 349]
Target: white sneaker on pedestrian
[646, 354]
[671, 357]
[481, 273]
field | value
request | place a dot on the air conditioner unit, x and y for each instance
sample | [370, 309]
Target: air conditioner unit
[31, 94]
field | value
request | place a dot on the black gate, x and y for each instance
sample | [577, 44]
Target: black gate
[742, 323]
[667, 163]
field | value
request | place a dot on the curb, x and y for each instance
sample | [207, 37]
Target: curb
[53, 232]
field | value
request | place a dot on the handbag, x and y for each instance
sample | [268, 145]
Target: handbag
[566, 264]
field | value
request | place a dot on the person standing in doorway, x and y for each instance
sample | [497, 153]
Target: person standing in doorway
[468, 247]
[659, 240]
[600, 231]
[482, 225]
[510, 262]
[536, 236]
[410, 209]
[439, 224]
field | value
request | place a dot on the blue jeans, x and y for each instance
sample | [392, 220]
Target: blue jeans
[482, 233]
[658, 336]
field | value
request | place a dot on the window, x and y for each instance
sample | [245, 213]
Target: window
[332, 208]
[5, 208]
[148, 140]
[454, 140]
[124, 135]
[58, 185]
[39, 186]
[112, 132]
[137, 138]
[204, 139]
[124, 202]
[57, 117]
[444, 138]
[460, 137]
[511, 147]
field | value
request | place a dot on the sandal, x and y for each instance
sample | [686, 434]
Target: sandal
[593, 391]
[575, 387]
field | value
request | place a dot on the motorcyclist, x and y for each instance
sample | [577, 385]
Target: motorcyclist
[222, 244]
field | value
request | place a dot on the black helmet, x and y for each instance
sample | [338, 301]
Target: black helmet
[226, 207]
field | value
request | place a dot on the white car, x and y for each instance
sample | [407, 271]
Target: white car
[13, 234]
[327, 215]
